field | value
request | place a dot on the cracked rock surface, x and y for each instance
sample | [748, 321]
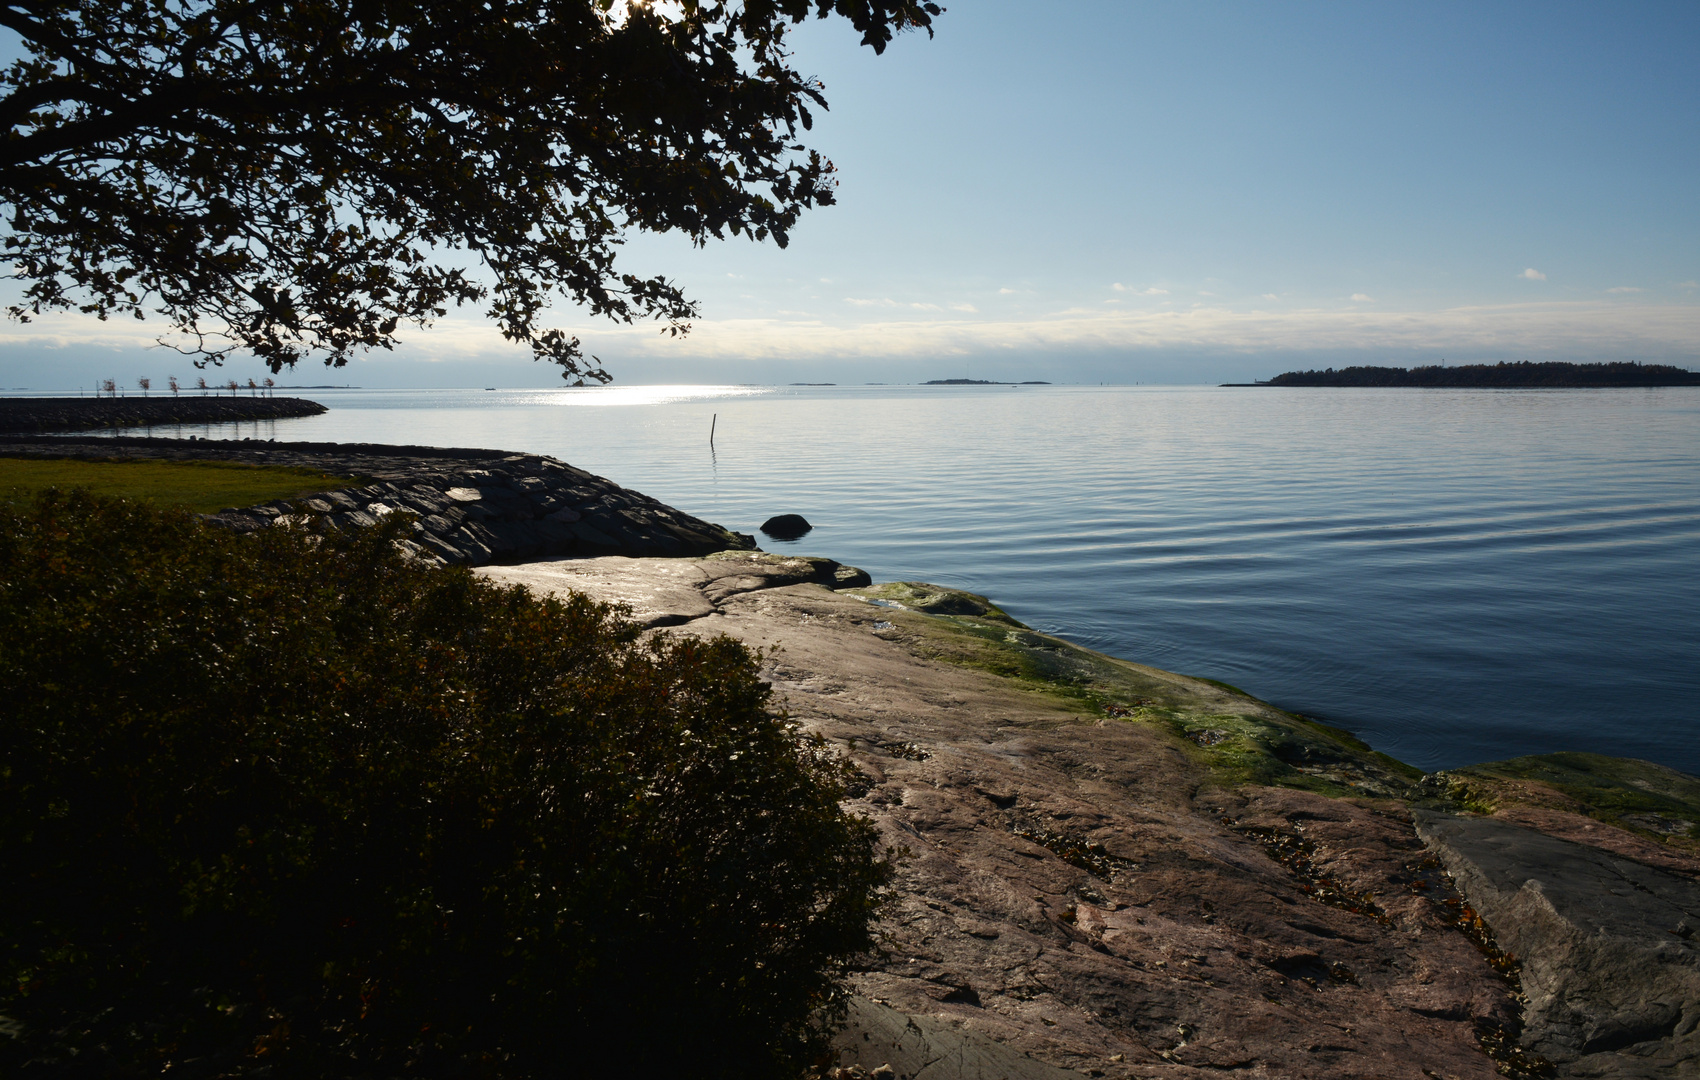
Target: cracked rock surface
[1079, 894]
[1610, 947]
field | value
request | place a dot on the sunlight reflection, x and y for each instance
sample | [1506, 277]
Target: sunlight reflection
[643, 395]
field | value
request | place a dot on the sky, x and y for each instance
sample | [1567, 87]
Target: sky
[1169, 193]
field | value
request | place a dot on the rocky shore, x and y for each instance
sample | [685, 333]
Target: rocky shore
[1112, 870]
[472, 507]
[21, 415]
[1116, 871]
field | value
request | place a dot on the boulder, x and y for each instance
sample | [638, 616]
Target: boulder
[786, 527]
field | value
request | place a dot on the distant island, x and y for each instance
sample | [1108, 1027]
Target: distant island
[1555, 375]
[983, 382]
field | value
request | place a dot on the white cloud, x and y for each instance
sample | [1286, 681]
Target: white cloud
[1556, 330]
[888, 302]
[1533, 330]
[1154, 291]
[1624, 289]
[1118, 286]
[1006, 292]
[1688, 284]
[1270, 296]
[1531, 274]
[1363, 298]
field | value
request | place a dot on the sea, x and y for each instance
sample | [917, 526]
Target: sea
[1457, 576]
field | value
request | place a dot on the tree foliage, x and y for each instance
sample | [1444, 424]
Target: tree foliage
[303, 178]
[286, 804]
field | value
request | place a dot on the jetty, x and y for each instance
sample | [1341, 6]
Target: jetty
[50, 414]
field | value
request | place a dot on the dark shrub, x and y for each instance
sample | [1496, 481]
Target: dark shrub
[290, 805]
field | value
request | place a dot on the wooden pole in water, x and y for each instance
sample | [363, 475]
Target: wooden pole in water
[711, 424]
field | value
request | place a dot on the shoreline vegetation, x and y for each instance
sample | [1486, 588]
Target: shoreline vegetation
[1525, 374]
[295, 803]
[1104, 867]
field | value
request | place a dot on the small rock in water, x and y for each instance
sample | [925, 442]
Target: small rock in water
[786, 527]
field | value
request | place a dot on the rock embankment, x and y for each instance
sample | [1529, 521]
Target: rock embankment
[86, 414]
[471, 507]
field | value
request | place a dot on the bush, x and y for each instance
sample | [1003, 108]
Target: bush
[289, 804]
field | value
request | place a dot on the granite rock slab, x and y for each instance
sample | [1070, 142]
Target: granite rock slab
[1609, 947]
[1076, 896]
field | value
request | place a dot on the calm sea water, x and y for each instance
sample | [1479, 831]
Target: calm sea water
[1458, 576]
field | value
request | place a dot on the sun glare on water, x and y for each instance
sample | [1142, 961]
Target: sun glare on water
[649, 395]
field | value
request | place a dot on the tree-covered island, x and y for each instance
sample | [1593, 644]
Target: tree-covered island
[1527, 374]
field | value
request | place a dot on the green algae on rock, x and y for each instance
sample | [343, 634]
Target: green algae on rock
[1239, 738]
[1641, 796]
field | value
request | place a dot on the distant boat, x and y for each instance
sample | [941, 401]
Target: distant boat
[489, 388]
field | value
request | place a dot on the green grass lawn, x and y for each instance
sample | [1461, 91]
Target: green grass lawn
[202, 486]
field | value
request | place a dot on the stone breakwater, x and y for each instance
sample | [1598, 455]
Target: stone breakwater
[85, 414]
[470, 507]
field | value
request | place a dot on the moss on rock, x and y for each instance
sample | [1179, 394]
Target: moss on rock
[1238, 738]
[1641, 796]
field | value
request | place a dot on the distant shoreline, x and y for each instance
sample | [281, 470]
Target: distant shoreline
[1553, 375]
[983, 382]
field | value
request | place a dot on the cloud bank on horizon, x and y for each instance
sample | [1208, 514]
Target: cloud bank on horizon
[1208, 192]
[1201, 344]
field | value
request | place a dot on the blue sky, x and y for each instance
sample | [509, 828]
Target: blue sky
[1198, 192]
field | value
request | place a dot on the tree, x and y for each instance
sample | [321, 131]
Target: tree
[303, 179]
[144, 382]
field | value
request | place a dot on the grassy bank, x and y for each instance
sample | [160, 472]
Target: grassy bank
[202, 486]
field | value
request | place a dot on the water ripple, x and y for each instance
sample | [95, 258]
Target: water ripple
[1457, 575]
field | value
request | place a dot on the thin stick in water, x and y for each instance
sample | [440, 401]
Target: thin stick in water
[711, 424]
